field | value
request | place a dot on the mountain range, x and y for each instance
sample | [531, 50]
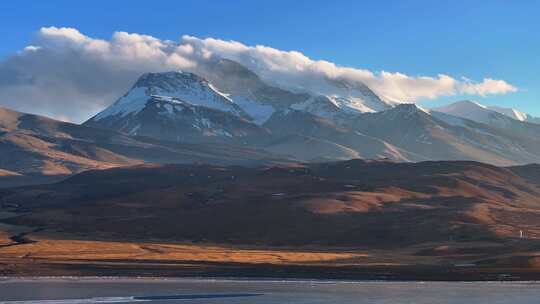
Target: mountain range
[226, 114]
[230, 103]
[222, 157]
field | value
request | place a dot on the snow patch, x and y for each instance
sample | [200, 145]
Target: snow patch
[260, 113]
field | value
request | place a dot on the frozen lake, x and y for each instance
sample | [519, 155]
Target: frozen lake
[109, 290]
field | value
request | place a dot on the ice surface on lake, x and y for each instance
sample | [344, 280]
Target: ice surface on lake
[82, 291]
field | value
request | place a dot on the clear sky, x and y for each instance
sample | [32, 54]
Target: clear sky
[477, 39]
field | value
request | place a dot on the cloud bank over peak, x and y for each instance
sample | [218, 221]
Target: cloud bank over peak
[66, 74]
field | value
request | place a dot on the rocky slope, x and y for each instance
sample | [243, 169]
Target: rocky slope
[439, 136]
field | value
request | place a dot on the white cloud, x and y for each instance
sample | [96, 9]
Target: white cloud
[292, 68]
[64, 35]
[31, 48]
[486, 87]
[65, 73]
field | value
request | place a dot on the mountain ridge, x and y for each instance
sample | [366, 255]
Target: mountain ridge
[169, 116]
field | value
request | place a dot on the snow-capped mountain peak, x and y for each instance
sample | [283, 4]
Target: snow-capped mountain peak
[352, 97]
[468, 109]
[485, 114]
[181, 85]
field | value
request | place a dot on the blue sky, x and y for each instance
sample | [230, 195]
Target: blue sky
[476, 39]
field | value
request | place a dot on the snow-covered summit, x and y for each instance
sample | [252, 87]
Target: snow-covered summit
[493, 115]
[184, 86]
[351, 97]
[470, 110]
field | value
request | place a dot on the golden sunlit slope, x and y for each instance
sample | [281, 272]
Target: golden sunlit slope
[355, 202]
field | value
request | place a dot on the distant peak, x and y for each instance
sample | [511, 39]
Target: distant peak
[469, 103]
[463, 108]
[511, 112]
[170, 78]
[405, 110]
[408, 107]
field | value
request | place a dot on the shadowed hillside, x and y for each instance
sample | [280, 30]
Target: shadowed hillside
[355, 202]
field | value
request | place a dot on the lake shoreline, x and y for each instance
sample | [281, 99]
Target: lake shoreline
[31, 252]
[122, 279]
[77, 290]
[186, 269]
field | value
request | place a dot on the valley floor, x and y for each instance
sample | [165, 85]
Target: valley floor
[44, 254]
